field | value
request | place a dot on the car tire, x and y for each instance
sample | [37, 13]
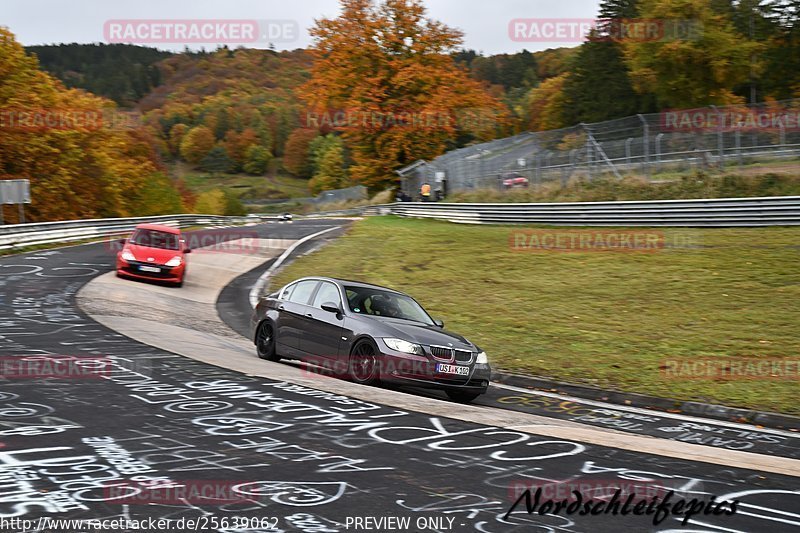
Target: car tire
[462, 396]
[265, 342]
[179, 284]
[363, 363]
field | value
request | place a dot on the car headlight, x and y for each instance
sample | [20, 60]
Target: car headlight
[400, 345]
[128, 256]
[482, 359]
[175, 261]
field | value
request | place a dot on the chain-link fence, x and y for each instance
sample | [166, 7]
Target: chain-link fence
[650, 145]
[359, 192]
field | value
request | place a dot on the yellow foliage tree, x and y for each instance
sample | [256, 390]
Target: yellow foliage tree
[696, 67]
[196, 144]
[546, 104]
[210, 203]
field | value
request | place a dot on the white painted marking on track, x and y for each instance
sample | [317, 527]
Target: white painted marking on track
[262, 280]
[639, 410]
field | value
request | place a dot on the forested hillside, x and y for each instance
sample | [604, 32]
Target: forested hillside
[124, 73]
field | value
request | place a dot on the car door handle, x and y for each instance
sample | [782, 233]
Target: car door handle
[309, 315]
[281, 308]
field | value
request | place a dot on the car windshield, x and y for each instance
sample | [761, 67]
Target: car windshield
[377, 302]
[155, 239]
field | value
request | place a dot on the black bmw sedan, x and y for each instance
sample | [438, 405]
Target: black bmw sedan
[369, 334]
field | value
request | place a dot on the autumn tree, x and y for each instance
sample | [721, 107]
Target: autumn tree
[176, 134]
[297, 155]
[211, 203]
[79, 164]
[257, 159]
[233, 206]
[237, 143]
[320, 146]
[547, 104]
[696, 64]
[156, 196]
[389, 64]
[328, 162]
[197, 143]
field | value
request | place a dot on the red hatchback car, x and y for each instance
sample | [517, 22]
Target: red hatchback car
[154, 252]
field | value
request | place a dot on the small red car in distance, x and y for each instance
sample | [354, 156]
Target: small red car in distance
[154, 252]
[516, 181]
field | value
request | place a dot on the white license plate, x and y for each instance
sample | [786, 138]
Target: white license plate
[453, 369]
[149, 269]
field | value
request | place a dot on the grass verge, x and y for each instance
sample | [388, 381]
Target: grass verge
[606, 319]
[665, 186]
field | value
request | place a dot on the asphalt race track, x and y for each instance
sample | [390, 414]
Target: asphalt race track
[157, 435]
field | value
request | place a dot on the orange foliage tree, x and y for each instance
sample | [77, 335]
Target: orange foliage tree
[297, 155]
[386, 71]
[237, 144]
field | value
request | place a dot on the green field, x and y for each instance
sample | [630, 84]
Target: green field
[604, 318]
[246, 187]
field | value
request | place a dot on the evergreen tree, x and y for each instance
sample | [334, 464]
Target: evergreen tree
[217, 161]
[599, 88]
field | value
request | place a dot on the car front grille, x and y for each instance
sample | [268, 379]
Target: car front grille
[463, 356]
[450, 354]
[441, 352]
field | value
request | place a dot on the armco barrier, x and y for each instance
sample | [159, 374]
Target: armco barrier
[721, 212]
[717, 212]
[23, 235]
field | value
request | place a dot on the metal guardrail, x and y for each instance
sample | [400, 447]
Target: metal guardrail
[721, 212]
[716, 212]
[24, 235]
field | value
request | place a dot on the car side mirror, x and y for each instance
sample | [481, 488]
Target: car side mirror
[331, 308]
[187, 250]
[123, 242]
[438, 322]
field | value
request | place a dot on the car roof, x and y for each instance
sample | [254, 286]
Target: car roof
[159, 227]
[349, 283]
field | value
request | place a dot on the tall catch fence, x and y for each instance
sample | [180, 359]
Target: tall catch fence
[648, 145]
